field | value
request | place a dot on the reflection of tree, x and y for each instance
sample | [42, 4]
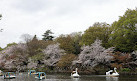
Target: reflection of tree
[111, 78]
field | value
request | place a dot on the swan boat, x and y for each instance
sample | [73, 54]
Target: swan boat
[31, 72]
[9, 75]
[112, 73]
[1, 73]
[40, 75]
[75, 74]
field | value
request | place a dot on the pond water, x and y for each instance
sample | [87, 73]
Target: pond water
[66, 77]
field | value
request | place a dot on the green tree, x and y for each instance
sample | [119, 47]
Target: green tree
[66, 43]
[97, 31]
[66, 61]
[1, 49]
[10, 44]
[124, 34]
[76, 38]
[33, 46]
[48, 35]
[70, 43]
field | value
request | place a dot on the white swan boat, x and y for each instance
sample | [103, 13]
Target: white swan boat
[75, 74]
[112, 73]
[1, 73]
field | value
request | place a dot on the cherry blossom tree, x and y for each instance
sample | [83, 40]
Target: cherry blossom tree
[14, 56]
[94, 55]
[31, 64]
[52, 54]
[132, 60]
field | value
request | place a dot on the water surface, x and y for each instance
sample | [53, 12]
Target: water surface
[66, 77]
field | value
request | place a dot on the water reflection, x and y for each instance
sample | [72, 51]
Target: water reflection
[111, 78]
[75, 79]
[66, 77]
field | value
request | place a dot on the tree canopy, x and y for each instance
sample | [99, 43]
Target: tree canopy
[97, 31]
[66, 43]
[124, 34]
[48, 35]
[70, 43]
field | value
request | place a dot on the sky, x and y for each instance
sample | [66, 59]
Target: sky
[34, 17]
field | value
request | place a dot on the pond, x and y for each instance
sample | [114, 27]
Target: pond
[66, 77]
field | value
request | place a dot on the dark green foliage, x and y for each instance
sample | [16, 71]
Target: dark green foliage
[124, 35]
[76, 37]
[48, 36]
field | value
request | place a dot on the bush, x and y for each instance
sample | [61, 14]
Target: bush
[126, 69]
